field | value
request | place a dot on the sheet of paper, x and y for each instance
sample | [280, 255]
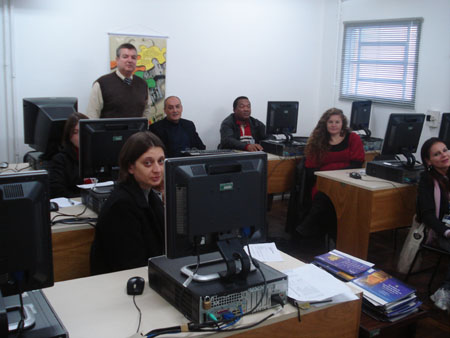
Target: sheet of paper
[265, 252]
[310, 283]
[64, 202]
[91, 185]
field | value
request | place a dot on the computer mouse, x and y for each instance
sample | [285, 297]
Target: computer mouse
[54, 206]
[355, 175]
[135, 285]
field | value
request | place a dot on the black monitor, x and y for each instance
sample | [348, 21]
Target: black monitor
[444, 131]
[25, 235]
[403, 135]
[282, 117]
[43, 122]
[215, 203]
[360, 116]
[100, 143]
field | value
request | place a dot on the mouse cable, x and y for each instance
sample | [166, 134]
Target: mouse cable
[61, 214]
[140, 313]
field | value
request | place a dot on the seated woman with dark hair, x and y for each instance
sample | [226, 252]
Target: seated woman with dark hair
[64, 174]
[434, 182]
[331, 146]
[130, 227]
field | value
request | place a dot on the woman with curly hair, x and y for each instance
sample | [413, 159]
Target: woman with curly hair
[331, 146]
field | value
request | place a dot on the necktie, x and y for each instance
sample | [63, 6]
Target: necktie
[127, 81]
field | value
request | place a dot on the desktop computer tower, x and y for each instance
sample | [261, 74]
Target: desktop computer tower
[199, 299]
[394, 170]
[280, 148]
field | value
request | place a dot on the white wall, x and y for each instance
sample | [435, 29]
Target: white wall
[217, 50]
[433, 84]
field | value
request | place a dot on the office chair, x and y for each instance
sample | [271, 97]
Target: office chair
[427, 248]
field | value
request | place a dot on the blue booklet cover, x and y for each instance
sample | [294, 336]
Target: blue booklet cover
[343, 263]
[384, 286]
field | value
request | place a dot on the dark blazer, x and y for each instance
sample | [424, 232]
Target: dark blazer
[230, 133]
[129, 230]
[64, 175]
[163, 128]
[426, 208]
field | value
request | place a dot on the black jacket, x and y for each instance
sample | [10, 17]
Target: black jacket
[426, 208]
[164, 128]
[64, 174]
[230, 133]
[129, 230]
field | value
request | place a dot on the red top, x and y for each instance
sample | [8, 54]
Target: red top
[340, 156]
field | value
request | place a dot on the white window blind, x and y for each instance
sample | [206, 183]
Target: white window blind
[380, 60]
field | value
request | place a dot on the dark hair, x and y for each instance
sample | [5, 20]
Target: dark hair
[236, 101]
[425, 155]
[134, 147]
[124, 46]
[69, 126]
[319, 141]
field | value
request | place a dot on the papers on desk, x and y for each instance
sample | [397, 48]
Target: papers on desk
[64, 202]
[309, 283]
[91, 185]
[264, 252]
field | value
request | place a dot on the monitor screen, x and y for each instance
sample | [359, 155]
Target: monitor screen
[360, 116]
[211, 198]
[444, 131]
[43, 122]
[403, 134]
[25, 234]
[282, 117]
[100, 143]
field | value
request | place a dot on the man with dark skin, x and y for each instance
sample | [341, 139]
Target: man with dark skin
[241, 131]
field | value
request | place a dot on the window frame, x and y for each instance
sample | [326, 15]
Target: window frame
[352, 43]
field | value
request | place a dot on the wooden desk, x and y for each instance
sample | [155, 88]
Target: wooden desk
[99, 307]
[72, 246]
[280, 171]
[364, 206]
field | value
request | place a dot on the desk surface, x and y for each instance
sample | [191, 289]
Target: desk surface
[366, 182]
[99, 307]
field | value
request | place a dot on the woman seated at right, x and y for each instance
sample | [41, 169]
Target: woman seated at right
[130, 227]
[331, 146]
[434, 181]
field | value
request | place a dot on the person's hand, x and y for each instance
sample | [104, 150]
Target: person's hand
[253, 147]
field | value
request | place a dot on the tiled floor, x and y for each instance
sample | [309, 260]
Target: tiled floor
[382, 251]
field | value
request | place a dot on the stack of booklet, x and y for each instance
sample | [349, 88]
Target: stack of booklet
[342, 265]
[384, 297]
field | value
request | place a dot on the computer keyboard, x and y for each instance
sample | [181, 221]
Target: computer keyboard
[198, 152]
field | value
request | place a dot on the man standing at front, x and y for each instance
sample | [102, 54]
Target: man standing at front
[241, 131]
[120, 94]
[176, 133]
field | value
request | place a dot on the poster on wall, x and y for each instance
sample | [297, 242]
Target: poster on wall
[150, 65]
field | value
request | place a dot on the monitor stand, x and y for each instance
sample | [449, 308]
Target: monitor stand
[238, 263]
[215, 265]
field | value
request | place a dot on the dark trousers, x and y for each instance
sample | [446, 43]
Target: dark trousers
[321, 218]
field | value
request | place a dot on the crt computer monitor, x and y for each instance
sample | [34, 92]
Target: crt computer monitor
[100, 143]
[212, 200]
[25, 235]
[360, 116]
[282, 117]
[43, 122]
[402, 136]
[444, 130]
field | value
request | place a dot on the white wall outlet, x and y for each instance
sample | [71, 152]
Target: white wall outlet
[433, 118]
